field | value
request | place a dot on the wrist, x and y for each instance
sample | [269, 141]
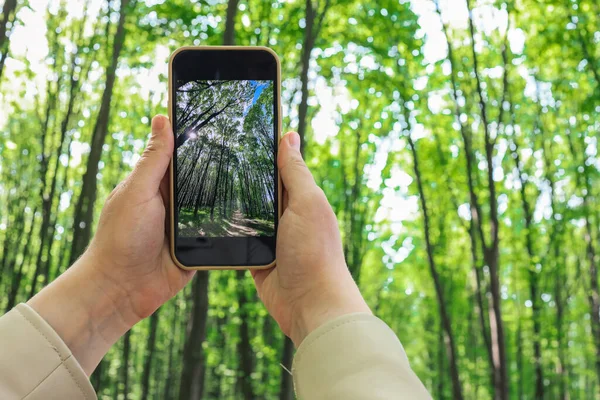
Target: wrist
[87, 310]
[330, 304]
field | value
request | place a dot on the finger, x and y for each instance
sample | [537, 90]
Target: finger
[154, 163]
[295, 175]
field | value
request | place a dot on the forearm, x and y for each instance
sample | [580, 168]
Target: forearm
[86, 310]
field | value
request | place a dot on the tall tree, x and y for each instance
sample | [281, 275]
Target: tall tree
[313, 20]
[244, 347]
[193, 368]
[491, 251]
[149, 354]
[124, 372]
[84, 209]
[229, 35]
[8, 17]
[448, 339]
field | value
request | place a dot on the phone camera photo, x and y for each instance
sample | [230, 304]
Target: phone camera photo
[225, 148]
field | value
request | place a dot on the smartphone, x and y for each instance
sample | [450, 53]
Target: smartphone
[225, 190]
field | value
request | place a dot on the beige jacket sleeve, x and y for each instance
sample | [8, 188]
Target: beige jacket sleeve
[34, 361]
[354, 357]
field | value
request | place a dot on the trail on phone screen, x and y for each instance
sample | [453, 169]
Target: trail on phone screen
[237, 225]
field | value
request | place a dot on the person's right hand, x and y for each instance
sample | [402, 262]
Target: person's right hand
[311, 283]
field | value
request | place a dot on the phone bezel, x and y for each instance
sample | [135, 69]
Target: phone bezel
[172, 204]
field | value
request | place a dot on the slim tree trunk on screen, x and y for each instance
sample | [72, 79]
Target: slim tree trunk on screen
[202, 183]
[225, 192]
[192, 375]
[216, 187]
[84, 209]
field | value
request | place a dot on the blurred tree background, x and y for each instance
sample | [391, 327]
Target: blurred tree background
[457, 141]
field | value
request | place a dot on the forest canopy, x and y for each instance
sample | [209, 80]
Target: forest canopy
[456, 140]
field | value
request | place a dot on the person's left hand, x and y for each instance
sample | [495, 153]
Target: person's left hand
[126, 273]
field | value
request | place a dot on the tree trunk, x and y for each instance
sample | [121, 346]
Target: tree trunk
[533, 278]
[197, 125]
[559, 276]
[192, 376]
[311, 32]
[84, 209]
[168, 391]
[229, 35]
[216, 189]
[202, 183]
[442, 302]
[8, 12]
[97, 377]
[307, 47]
[441, 367]
[125, 364]
[224, 196]
[491, 252]
[286, 391]
[4, 54]
[583, 182]
[244, 347]
[149, 356]
[18, 272]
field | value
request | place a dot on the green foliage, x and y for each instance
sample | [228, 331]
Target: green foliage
[381, 84]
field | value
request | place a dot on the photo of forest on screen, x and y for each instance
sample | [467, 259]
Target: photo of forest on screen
[225, 158]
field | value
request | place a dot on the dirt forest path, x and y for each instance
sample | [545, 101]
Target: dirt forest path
[236, 225]
[239, 225]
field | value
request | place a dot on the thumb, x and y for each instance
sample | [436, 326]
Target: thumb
[155, 160]
[296, 177]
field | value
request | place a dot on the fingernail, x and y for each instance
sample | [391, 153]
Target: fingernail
[158, 122]
[294, 140]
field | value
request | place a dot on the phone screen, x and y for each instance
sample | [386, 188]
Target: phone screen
[225, 174]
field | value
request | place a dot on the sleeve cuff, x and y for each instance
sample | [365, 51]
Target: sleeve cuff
[351, 357]
[35, 362]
